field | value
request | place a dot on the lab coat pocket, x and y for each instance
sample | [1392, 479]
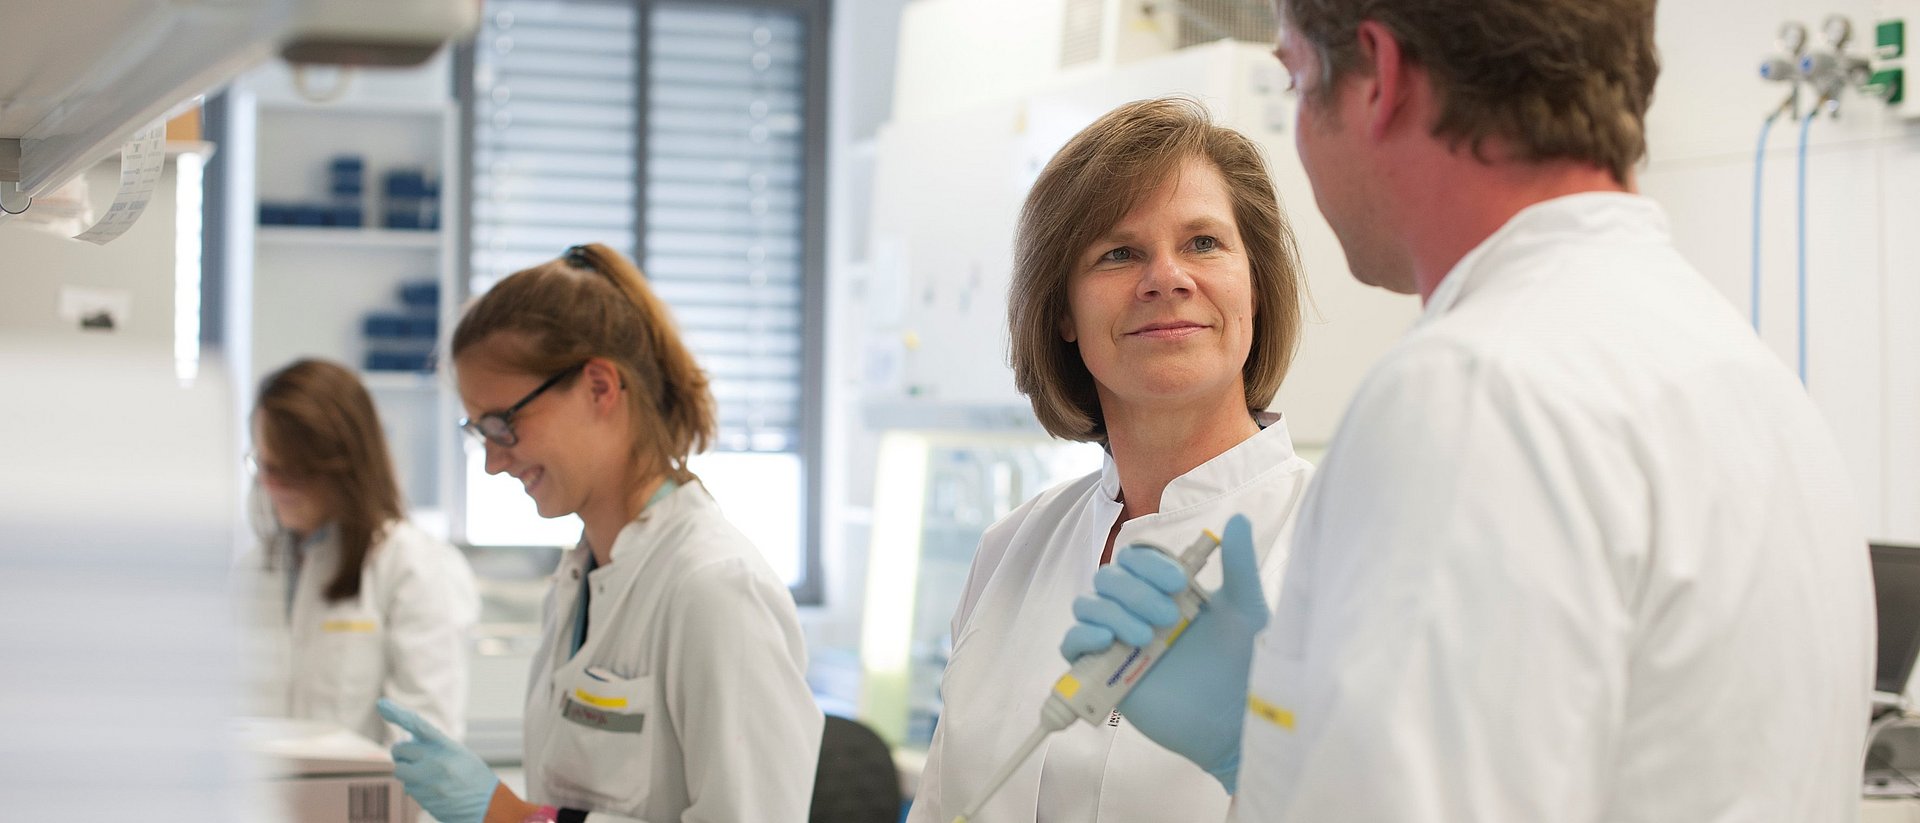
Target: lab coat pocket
[603, 743]
[1280, 718]
[348, 666]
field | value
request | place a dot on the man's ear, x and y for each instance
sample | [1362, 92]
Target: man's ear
[1389, 81]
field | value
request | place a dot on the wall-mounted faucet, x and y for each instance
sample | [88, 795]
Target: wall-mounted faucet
[1830, 70]
[1783, 66]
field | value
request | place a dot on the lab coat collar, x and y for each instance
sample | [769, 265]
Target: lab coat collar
[322, 536]
[1227, 471]
[633, 544]
[1610, 217]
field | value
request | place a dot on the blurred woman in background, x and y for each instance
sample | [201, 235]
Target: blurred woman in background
[371, 606]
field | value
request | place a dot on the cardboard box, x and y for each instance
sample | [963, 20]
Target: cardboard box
[185, 128]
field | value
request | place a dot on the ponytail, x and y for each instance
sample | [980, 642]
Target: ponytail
[594, 302]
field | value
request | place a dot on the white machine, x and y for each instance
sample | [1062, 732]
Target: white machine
[320, 773]
[1096, 683]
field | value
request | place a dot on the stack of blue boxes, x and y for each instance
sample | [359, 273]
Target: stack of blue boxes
[346, 194]
[412, 201]
[404, 340]
[409, 201]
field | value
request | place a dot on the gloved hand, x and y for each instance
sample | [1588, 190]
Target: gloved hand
[1194, 699]
[451, 782]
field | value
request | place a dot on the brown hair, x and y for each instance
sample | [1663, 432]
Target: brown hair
[1559, 79]
[321, 428]
[595, 303]
[1087, 188]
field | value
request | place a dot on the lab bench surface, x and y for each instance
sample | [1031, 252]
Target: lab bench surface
[1890, 810]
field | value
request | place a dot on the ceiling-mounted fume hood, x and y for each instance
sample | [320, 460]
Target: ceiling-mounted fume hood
[78, 77]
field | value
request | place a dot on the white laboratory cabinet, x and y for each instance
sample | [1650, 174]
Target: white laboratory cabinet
[309, 290]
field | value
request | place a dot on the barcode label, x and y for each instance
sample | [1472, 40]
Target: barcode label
[367, 803]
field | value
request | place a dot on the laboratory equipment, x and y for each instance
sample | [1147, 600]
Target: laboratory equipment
[1892, 766]
[1095, 684]
[936, 492]
[1896, 585]
[313, 772]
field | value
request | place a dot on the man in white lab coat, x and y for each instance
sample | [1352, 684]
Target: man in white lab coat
[1582, 549]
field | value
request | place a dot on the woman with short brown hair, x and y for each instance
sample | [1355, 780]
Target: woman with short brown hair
[1154, 309]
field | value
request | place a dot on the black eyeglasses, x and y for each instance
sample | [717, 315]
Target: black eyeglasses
[498, 426]
[268, 470]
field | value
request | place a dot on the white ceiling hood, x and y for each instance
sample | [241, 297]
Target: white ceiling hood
[78, 77]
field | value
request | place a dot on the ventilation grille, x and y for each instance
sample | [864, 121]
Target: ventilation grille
[1204, 21]
[1080, 34]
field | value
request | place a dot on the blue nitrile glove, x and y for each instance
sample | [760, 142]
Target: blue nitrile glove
[451, 782]
[1194, 699]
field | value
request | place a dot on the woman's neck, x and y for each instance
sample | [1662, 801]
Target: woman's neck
[605, 520]
[1151, 447]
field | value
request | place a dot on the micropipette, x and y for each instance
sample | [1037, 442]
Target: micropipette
[1096, 683]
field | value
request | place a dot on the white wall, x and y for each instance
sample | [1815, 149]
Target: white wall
[1863, 227]
[35, 265]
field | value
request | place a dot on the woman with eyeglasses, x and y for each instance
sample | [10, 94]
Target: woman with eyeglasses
[367, 605]
[669, 685]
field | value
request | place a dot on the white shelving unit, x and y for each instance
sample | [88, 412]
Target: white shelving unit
[346, 238]
[305, 291]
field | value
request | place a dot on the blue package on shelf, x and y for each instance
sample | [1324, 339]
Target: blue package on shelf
[386, 328]
[422, 294]
[346, 177]
[351, 216]
[384, 325]
[399, 361]
[275, 214]
[410, 200]
[306, 214]
[406, 183]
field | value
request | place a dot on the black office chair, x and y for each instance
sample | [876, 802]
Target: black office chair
[856, 782]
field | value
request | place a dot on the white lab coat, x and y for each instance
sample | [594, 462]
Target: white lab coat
[1019, 603]
[403, 637]
[688, 701]
[1580, 551]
